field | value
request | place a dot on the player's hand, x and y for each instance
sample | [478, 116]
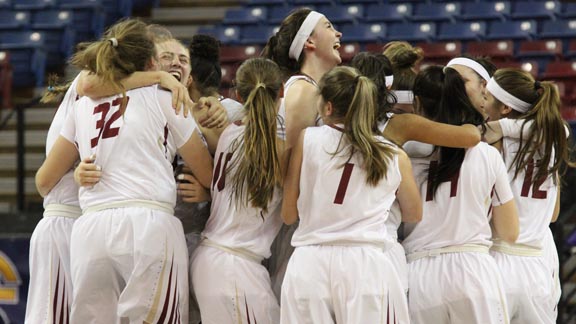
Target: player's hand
[191, 190]
[210, 113]
[180, 95]
[87, 174]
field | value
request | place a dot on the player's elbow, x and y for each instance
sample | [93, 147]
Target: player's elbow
[412, 213]
[42, 183]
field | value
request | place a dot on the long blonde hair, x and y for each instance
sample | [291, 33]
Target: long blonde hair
[353, 97]
[547, 134]
[124, 48]
[259, 82]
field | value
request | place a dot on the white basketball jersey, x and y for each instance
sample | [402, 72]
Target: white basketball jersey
[134, 149]
[535, 201]
[65, 192]
[234, 109]
[281, 125]
[234, 224]
[459, 213]
[336, 205]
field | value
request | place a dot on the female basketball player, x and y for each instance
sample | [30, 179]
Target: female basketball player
[341, 182]
[230, 283]
[533, 160]
[452, 278]
[127, 247]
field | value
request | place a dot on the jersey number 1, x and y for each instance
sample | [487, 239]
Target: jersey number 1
[343, 185]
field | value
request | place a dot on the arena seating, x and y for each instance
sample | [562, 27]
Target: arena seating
[57, 25]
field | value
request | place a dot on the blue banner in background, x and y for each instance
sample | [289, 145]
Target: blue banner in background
[14, 278]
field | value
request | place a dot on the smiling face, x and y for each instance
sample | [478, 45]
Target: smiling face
[174, 58]
[475, 86]
[326, 41]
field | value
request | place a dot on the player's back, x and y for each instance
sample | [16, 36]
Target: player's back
[234, 224]
[459, 211]
[336, 204]
[135, 147]
[535, 201]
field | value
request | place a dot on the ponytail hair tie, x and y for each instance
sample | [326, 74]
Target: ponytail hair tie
[357, 78]
[537, 85]
[113, 41]
[260, 85]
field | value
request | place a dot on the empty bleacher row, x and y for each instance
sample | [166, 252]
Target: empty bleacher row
[41, 34]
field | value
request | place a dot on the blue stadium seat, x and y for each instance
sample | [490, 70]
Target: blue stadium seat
[462, 31]
[89, 17]
[143, 4]
[34, 4]
[436, 11]
[568, 10]
[558, 29]
[341, 14]
[277, 14]
[14, 20]
[359, 1]
[5, 4]
[252, 35]
[57, 26]
[512, 30]
[116, 9]
[28, 56]
[244, 16]
[311, 2]
[227, 34]
[52, 19]
[364, 33]
[411, 31]
[388, 12]
[535, 9]
[266, 2]
[485, 10]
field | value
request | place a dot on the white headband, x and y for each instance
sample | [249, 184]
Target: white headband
[471, 64]
[506, 97]
[303, 33]
[404, 96]
[389, 80]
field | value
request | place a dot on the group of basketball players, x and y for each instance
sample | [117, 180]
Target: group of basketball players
[395, 211]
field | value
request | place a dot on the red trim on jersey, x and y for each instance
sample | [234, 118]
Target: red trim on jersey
[174, 308]
[336, 127]
[55, 298]
[167, 298]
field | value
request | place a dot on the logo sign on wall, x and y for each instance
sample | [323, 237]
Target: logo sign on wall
[14, 278]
